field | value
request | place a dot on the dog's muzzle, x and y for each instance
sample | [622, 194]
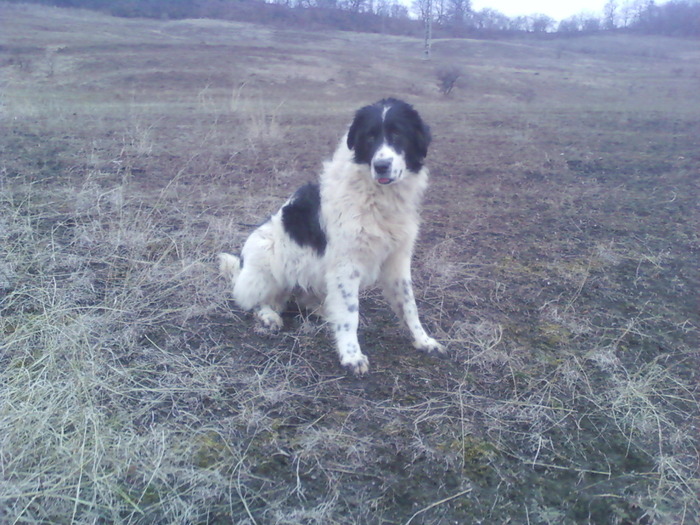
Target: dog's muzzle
[382, 171]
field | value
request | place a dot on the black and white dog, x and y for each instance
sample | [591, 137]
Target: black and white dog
[356, 228]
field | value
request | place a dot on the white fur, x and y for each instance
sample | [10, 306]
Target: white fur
[370, 229]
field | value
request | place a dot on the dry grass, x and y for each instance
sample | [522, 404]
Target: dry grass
[556, 263]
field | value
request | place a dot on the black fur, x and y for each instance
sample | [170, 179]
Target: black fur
[401, 128]
[300, 218]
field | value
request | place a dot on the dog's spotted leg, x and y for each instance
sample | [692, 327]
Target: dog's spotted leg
[342, 313]
[398, 291]
[407, 302]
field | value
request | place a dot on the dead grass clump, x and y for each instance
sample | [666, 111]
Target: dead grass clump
[481, 341]
[441, 266]
[263, 124]
[86, 367]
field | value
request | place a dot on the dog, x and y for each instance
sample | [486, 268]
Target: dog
[354, 229]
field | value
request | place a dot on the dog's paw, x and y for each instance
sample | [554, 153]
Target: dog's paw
[358, 364]
[429, 345]
[269, 321]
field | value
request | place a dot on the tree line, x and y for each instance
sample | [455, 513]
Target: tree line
[446, 18]
[673, 18]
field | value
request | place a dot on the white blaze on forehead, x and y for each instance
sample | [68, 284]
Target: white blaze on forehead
[385, 111]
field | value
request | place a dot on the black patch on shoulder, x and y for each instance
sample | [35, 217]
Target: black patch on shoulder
[301, 218]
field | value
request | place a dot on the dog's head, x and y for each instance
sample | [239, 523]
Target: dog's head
[391, 138]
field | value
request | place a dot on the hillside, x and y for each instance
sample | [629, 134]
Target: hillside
[558, 263]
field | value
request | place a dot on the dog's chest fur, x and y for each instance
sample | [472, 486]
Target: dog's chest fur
[366, 221]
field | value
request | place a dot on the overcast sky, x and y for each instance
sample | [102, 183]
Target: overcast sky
[557, 9]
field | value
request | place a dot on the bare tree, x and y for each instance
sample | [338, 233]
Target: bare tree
[397, 10]
[610, 15]
[490, 19]
[626, 14]
[424, 8]
[520, 23]
[440, 11]
[570, 25]
[541, 23]
[356, 6]
[457, 11]
[591, 25]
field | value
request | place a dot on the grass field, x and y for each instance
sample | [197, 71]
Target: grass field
[558, 262]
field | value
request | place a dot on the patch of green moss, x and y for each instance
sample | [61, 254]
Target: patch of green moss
[211, 451]
[477, 458]
[554, 334]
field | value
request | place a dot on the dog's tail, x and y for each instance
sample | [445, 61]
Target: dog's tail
[229, 266]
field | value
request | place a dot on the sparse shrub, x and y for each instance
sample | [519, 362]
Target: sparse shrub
[21, 62]
[527, 95]
[447, 78]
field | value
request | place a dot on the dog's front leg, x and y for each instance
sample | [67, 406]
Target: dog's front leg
[398, 291]
[342, 313]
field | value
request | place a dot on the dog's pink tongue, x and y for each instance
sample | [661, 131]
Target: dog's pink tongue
[384, 180]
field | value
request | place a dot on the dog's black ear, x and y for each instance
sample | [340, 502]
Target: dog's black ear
[358, 124]
[421, 131]
[352, 132]
[423, 139]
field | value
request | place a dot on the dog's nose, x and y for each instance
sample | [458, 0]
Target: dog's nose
[382, 167]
